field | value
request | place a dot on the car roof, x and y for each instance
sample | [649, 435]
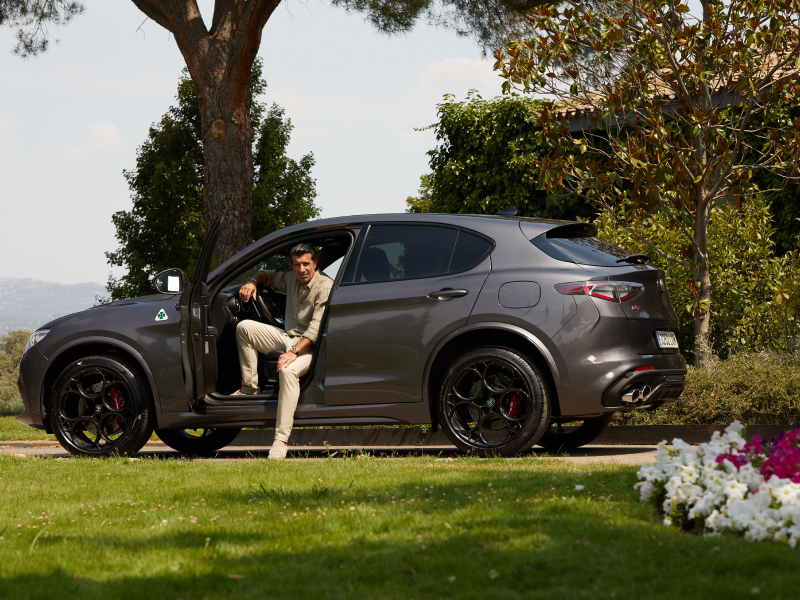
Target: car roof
[480, 223]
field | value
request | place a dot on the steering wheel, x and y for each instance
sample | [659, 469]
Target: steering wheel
[266, 307]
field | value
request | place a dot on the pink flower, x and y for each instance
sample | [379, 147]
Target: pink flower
[737, 460]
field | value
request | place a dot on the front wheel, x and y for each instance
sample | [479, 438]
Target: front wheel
[568, 436]
[101, 406]
[493, 402]
[198, 441]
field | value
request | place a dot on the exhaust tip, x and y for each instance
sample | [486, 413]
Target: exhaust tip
[631, 396]
[645, 392]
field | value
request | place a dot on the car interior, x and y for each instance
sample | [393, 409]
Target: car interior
[227, 310]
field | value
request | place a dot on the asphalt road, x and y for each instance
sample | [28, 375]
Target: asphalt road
[612, 455]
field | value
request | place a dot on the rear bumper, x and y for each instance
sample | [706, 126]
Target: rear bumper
[645, 389]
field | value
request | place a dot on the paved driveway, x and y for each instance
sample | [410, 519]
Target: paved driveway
[619, 455]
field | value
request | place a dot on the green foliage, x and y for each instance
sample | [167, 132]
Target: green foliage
[11, 345]
[164, 229]
[756, 294]
[486, 161]
[784, 199]
[32, 21]
[489, 22]
[755, 388]
[284, 191]
[665, 114]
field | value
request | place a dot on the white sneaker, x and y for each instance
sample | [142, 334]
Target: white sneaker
[278, 453]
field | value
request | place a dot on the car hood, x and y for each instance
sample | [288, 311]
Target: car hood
[111, 306]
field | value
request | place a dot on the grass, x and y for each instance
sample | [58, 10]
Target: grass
[12, 430]
[360, 527]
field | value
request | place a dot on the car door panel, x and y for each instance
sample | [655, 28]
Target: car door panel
[380, 334]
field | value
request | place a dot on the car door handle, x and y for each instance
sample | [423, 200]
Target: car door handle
[447, 294]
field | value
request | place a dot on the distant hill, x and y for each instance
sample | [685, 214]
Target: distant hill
[30, 303]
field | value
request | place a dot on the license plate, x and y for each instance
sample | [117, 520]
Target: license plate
[666, 339]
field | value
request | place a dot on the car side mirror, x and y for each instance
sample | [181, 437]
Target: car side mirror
[171, 281]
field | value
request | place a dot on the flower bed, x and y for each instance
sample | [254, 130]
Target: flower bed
[728, 484]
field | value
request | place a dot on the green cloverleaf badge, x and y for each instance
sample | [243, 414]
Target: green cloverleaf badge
[162, 315]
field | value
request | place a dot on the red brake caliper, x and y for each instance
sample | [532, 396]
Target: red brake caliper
[118, 401]
[514, 406]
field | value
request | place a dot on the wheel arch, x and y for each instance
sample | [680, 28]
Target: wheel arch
[91, 347]
[489, 334]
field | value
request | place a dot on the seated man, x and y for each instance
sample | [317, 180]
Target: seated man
[306, 297]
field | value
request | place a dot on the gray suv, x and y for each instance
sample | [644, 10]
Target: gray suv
[506, 332]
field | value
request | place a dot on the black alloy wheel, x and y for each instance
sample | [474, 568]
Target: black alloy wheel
[198, 441]
[574, 434]
[101, 406]
[493, 402]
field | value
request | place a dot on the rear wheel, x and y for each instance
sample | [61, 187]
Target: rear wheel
[568, 436]
[101, 406]
[493, 402]
[198, 441]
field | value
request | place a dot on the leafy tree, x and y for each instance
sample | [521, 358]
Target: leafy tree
[11, 345]
[165, 226]
[757, 294]
[219, 59]
[486, 160]
[672, 127]
[32, 19]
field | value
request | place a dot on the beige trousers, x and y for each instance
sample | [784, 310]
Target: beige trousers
[253, 337]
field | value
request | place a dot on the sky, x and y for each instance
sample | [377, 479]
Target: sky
[72, 119]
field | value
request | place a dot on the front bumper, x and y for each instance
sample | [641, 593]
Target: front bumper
[32, 369]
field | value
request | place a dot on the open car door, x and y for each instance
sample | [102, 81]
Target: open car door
[198, 338]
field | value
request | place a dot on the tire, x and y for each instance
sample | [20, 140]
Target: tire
[102, 406]
[574, 436]
[197, 441]
[493, 402]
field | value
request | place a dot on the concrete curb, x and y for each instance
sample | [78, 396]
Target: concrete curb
[627, 435]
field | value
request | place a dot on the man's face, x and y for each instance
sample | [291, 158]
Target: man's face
[304, 268]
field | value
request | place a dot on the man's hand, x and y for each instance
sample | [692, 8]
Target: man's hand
[286, 359]
[247, 291]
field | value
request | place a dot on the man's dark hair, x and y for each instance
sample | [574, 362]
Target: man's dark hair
[301, 250]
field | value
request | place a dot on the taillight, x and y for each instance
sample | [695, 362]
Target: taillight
[613, 291]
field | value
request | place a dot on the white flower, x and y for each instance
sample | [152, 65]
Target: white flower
[578, 488]
[667, 521]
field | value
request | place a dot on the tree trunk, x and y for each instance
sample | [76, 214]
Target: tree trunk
[219, 60]
[702, 278]
[228, 166]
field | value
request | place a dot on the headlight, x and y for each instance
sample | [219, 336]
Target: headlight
[36, 337]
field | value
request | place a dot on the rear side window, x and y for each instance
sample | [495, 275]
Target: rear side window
[404, 252]
[469, 251]
[575, 243]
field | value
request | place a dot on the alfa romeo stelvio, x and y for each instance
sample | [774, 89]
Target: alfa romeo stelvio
[506, 332]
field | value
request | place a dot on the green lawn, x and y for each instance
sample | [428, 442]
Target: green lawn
[359, 527]
[11, 430]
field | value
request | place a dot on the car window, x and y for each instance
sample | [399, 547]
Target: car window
[404, 252]
[576, 243]
[332, 270]
[469, 251]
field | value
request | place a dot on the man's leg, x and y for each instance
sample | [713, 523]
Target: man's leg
[253, 337]
[289, 394]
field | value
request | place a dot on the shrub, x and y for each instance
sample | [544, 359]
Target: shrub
[754, 388]
[11, 345]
